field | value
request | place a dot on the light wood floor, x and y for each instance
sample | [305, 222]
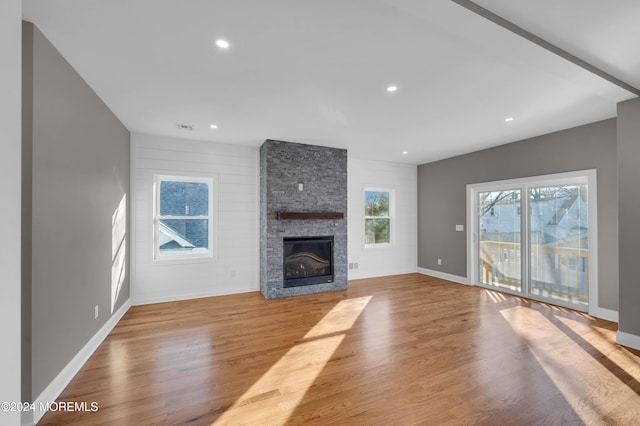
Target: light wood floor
[398, 350]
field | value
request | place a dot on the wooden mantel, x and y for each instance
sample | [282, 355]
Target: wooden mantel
[310, 215]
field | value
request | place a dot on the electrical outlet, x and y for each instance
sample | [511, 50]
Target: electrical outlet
[355, 265]
[439, 261]
[96, 312]
[459, 228]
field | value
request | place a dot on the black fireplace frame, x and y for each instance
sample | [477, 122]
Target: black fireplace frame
[319, 279]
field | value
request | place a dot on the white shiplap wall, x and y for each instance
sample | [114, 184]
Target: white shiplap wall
[235, 169]
[401, 256]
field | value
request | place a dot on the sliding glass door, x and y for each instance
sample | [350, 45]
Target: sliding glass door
[499, 239]
[532, 237]
[559, 243]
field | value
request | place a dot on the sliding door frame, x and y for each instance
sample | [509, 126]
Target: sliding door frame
[588, 177]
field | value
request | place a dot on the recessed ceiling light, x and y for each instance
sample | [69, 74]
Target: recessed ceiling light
[214, 126]
[223, 44]
[405, 152]
[508, 119]
[392, 88]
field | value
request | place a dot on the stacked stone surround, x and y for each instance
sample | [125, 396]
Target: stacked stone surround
[323, 173]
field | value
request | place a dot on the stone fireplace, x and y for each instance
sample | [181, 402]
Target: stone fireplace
[303, 219]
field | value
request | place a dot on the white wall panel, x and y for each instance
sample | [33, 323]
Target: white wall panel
[235, 268]
[401, 256]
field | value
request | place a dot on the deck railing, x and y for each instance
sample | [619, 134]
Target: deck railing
[559, 272]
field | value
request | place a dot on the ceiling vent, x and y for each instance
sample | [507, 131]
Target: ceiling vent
[185, 127]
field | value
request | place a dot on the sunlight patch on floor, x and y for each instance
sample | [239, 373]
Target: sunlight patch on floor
[603, 340]
[119, 371]
[280, 390]
[592, 390]
[496, 296]
[340, 318]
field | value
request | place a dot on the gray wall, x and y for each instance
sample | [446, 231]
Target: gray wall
[629, 205]
[442, 194]
[80, 173]
[27, 189]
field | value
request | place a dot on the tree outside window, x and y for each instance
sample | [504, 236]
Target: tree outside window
[377, 217]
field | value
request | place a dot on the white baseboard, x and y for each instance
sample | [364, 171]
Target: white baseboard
[628, 339]
[444, 276]
[353, 275]
[55, 388]
[148, 300]
[605, 314]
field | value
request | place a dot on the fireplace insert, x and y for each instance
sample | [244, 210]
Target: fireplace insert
[307, 261]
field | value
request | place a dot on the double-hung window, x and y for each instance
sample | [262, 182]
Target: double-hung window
[378, 223]
[183, 222]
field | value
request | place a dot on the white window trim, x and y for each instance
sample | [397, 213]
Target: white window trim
[391, 217]
[584, 176]
[211, 254]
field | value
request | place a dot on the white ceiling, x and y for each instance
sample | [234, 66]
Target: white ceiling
[317, 71]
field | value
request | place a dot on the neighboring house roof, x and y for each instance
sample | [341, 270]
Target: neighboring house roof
[169, 238]
[564, 218]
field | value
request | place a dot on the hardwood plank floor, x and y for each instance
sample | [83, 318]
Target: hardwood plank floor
[399, 350]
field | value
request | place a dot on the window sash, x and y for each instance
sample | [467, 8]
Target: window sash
[183, 217]
[389, 217]
[208, 252]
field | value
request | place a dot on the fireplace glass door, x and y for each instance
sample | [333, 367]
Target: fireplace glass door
[307, 261]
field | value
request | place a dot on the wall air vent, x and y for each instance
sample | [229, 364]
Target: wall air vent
[184, 126]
